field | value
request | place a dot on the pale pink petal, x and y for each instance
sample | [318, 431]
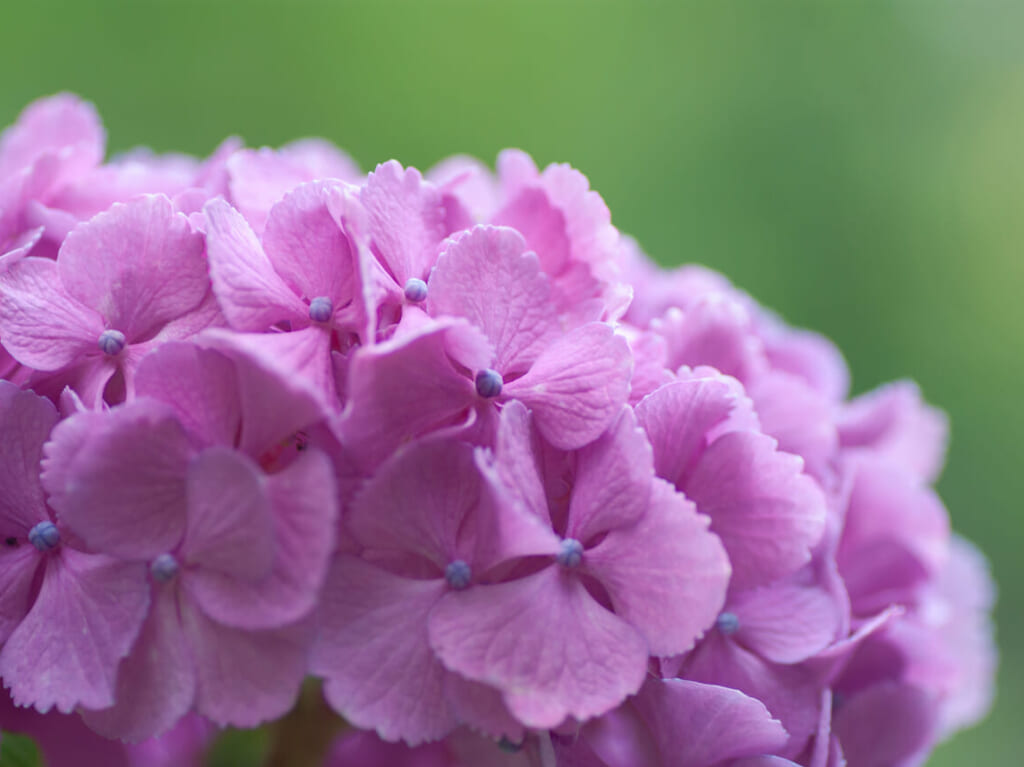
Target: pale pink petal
[229, 528]
[304, 505]
[156, 683]
[807, 355]
[63, 124]
[407, 220]
[516, 460]
[486, 276]
[41, 325]
[577, 385]
[716, 331]
[373, 652]
[666, 575]
[25, 423]
[702, 725]
[894, 422]
[614, 475]
[66, 651]
[139, 265]
[545, 642]
[542, 225]
[20, 247]
[252, 295]
[123, 489]
[244, 678]
[766, 511]
[680, 418]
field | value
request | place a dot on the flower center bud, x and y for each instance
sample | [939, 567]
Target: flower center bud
[415, 290]
[45, 536]
[164, 568]
[509, 746]
[570, 554]
[727, 623]
[320, 309]
[489, 383]
[458, 574]
[111, 342]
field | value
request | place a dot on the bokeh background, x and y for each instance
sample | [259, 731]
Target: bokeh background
[857, 166]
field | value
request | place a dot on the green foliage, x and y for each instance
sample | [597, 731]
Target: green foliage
[18, 751]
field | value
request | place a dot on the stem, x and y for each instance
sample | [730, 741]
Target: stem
[304, 736]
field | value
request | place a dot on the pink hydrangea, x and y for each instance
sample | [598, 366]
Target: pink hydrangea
[452, 445]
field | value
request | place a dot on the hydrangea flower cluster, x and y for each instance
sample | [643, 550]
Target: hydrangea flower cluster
[454, 446]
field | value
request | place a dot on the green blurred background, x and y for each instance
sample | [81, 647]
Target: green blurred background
[857, 166]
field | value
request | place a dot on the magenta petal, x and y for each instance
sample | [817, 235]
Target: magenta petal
[577, 385]
[486, 276]
[679, 419]
[482, 709]
[25, 423]
[407, 220]
[304, 506]
[244, 677]
[516, 460]
[88, 612]
[865, 728]
[614, 476]
[138, 264]
[63, 124]
[401, 389]
[229, 528]
[766, 511]
[373, 652]
[666, 575]
[122, 489]
[251, 294]
[786, 622]
[307, 248]
[156, 683]
[18, 568]
[545, 642]
[702, 725]
[41, 325]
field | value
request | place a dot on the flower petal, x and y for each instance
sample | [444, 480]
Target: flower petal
[545, 642]
[373, 652]
[25, 423]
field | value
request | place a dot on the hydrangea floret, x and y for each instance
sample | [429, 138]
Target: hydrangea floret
[448, 455]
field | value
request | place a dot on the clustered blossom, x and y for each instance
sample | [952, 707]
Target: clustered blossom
[454, 446]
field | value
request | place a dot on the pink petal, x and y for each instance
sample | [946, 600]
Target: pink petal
[244, 677]
[545, 642]
[516, 460]
[18, 567]
[893, 422]
[486, 276]
[865, 725]
[251, 294]
[680, 418]
[308, 249]
[66, 651]
[200, 386]
[614, 475]
[373, 651]
[401, 389]
[156, 683]
[139, 265]
[407, 220]
[55, 124]
[702, 725]
[666, 574]
[229, 529]
[42, 326]
[577, 385]
[25, 423]
[766, 511]
[542, 225]
[786, 622]
[482, 709]
[304, 506]
[122, 488]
